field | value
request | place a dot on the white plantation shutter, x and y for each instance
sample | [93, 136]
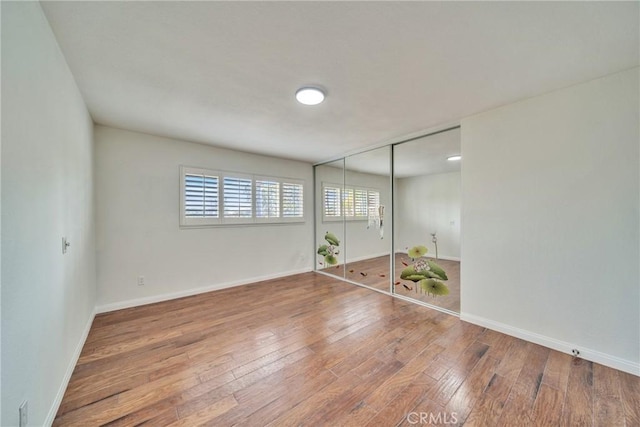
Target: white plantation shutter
[373, 199]
[331, 198]
[237, 197]
[267, 199]
[350, 203]
[201, 196]
[347, 202]
[209, 197]
[360, 201]
[292, 200]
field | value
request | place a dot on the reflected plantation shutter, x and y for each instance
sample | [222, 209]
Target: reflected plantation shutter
[331, 202]
[361, 203]
[350, 203]
[373, 199]
[347, 202]
[292, 200]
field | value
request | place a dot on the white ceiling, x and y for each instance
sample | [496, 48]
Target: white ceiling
[421, 156]
[225, 73]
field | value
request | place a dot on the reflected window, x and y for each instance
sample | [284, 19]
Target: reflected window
[351, 203]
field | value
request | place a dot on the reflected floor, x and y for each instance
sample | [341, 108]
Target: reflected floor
[374, 272]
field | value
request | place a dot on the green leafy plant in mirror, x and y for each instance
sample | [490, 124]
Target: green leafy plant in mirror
[426, 274]
[330, 249]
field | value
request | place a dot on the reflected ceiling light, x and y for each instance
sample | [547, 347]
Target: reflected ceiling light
[454, 158]
[310, 95]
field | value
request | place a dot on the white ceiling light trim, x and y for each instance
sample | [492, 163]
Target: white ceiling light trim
[309, 95]
[454, 158]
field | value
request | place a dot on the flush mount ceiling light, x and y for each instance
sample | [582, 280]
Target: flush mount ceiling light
[454, 158]
[309, 95]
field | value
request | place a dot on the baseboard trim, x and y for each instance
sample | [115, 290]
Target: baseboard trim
[366, 257]
[432, 255]
[70, 368]
[449, 258]
[562, 346]
[105, 308]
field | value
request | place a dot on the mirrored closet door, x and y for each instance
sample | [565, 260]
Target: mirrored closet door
[427, 217]
[329, 224]
[389, 219]
[367, 212]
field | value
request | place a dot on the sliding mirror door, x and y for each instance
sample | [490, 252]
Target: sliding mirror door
[427, 219]
[329, 227]
[366, 204]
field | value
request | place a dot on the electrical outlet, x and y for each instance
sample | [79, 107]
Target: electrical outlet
[575, 352]
[24, 415]
[140, 280]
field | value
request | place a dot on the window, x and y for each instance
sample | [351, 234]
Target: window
[292, 200]
[201, 196]
[267, 199]
[218, 198]
[237, 197]
[352, 203]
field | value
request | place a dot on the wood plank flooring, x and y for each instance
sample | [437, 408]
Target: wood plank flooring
[374, 272]
[312, 350]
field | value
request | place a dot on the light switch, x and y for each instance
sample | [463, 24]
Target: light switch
[65, 245]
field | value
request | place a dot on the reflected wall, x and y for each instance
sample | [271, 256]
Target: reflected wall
[329, 183]
[427, 213]
[368, 212]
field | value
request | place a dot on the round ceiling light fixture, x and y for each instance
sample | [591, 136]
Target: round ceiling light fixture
[454, 158]
[309, 95]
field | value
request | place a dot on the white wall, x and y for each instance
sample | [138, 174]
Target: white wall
[360, 242]
[0, 232]
[138, 233]
[363, 242]
[47, 192]
[550, 219]
[429, 204]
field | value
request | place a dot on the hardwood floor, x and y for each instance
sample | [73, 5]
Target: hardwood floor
[374, 272]
[312, 350]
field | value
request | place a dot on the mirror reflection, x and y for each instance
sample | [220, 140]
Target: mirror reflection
[427, 217]
[367, 211]
[329, 229]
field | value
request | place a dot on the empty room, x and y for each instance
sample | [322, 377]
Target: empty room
[320, 213]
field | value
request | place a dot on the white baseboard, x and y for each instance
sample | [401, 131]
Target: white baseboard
[366, 257]
[449, 258]
[70, 368]
[562, 346]
[190, 292]
[432, 255]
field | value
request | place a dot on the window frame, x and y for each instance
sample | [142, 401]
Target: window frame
[221, 220]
